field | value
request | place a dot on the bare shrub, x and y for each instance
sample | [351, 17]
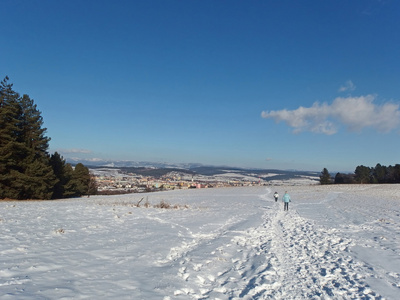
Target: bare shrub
[163, 204]
[166, 205]
[138, 204]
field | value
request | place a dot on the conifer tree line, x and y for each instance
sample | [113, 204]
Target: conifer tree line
[363, 174]
[27, 170]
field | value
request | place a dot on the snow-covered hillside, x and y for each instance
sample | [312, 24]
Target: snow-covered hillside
[336, 242]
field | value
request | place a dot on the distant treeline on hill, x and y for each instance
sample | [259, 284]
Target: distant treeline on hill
[363, 174]
[27, 171]
[158, 172]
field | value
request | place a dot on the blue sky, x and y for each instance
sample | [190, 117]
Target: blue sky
[267, 84]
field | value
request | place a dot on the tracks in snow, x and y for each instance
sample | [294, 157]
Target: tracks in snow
[314, 262]
[286, 257]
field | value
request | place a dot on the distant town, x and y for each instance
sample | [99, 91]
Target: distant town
[139, 180]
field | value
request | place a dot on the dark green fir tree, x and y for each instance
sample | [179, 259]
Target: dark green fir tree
[81, 178]
[39, 174]
[325, 177]
[58, 165]
[12, 149]
[25, 172]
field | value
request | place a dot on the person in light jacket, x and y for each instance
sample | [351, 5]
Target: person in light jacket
[286, 200]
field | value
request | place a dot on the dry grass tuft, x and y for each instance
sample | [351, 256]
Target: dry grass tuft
[163, 204]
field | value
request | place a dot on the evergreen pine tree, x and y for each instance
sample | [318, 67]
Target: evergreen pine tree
[92, 188]
[81, 177]
[25, 172]
[40, 177]
[12, 149]
[325, 177]
[70, 187]
[362, 174]
[71, 183]
[39, 180]
[32, 127]
[58, 165]
[397, 173]
[379, 174]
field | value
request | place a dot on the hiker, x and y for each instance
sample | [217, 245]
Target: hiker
[286, 200]
[276, 196]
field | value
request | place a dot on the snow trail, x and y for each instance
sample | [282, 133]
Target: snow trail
[286, 257]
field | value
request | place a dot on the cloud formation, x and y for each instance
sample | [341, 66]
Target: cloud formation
[74, 150]
[347, 87]
[355, 113]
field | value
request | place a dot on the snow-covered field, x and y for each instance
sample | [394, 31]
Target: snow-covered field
[336, 242]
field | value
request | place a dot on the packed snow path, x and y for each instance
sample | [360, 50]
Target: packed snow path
[336, 242]
[286, 257]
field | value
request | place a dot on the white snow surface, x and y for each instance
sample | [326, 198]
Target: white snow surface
[336, 242]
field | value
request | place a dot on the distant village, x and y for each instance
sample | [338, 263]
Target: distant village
[112, 181]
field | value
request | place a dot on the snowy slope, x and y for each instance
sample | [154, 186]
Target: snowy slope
[336, 242]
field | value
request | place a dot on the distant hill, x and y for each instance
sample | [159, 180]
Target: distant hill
[159, 169]
[271, 174]
[133, 164]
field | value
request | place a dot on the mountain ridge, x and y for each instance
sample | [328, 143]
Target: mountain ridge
[157, 169]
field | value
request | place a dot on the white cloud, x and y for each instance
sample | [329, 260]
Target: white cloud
[95, 159]
[74, 150]
[348, 86]
[80, 159]
[355, 113]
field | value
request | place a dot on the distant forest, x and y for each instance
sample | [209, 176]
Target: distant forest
[27, 170]
[363, 174]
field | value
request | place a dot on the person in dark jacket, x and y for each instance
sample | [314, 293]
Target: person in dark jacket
[276, 196]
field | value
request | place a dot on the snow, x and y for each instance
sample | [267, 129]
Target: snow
[336, 242]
